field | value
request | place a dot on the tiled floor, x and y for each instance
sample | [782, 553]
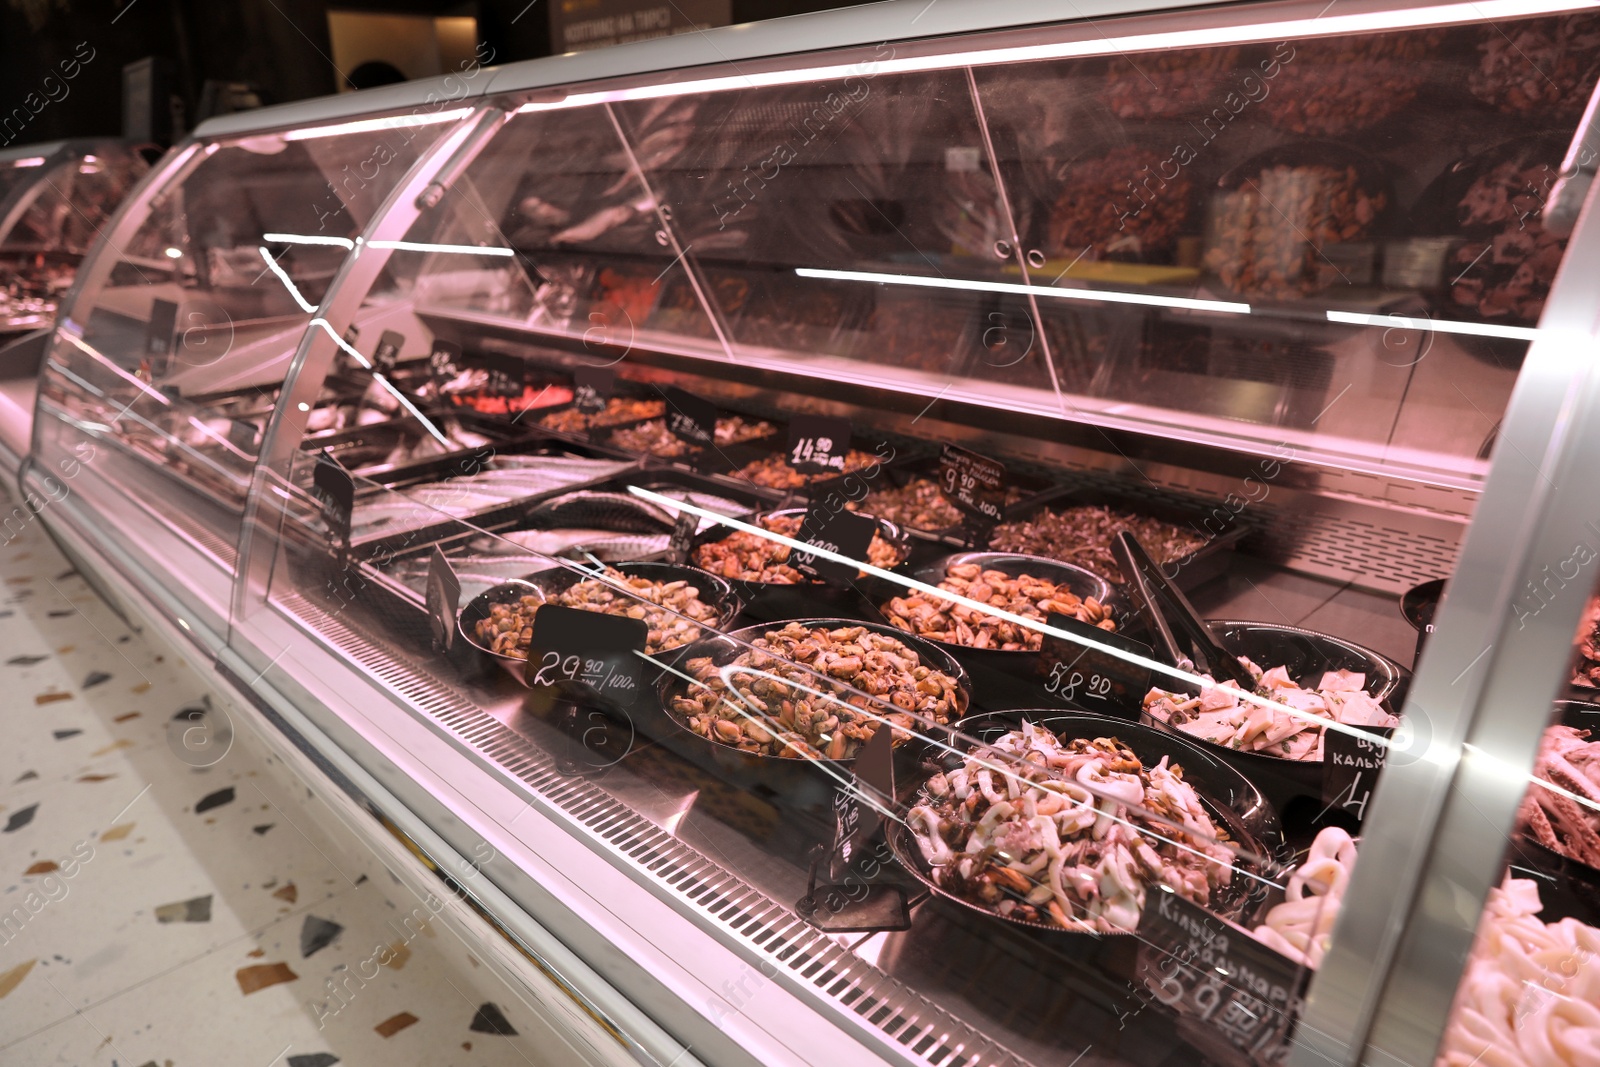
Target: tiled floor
[168, 901]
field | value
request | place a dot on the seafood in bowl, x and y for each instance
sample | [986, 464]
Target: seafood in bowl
[1069, 834]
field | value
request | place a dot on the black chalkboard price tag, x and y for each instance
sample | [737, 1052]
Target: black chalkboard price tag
[444, 600]
[387, 354]
[444, 361]
[588, 653]
[243, 435]
[858, 808]
[335, 491]
[1350, 767]
[163, 323]
[818, 444]
[690, 418]
[682, 537]
[975, 484]
[592, 387]
[1217, 975]
[835, 530]
[1083, 674]
[505, 372]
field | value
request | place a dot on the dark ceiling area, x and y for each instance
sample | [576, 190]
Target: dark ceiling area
[61, 61]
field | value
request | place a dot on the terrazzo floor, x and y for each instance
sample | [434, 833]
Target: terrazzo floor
[172, 901]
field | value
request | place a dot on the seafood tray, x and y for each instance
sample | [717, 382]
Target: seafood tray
[875, 456]
[629, 403]
[401, 450]
[494, 495]
[898, 488]
[1217, 531]
[626, 529]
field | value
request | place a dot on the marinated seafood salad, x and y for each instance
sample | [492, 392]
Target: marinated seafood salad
[1301, 925]
[1017, 829]
[798, 692]
[673, 611]
[752, 558]
[1221, 716]
[1032, 598]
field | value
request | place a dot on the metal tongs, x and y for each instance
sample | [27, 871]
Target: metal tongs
[1187, 638]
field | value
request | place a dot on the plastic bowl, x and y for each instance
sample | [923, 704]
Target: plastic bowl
[1229, 797]
[801, 782]
[1004, 679]
[547, 584]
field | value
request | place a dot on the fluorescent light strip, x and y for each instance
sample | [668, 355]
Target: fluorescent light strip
[1110, 296]
[307, 239]
[1402, 322]
[31, 161]
[1322, 25]
[988, 609]
[284, 278]
[419, 246]
[393, 122]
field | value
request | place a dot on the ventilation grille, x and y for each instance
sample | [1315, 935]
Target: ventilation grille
[926, 1033]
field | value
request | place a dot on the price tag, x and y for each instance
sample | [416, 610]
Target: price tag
[835, 530]
[858, 809]
[1350, 767]
[505, 372]
[444, 600]
[592, 387]
[163, 322]
[818, 444]
[975, 484]
[335, 490]
[1218, 975]
[682, 537]
[689, 417]
[387, 354]
[243, 436]
[592, 652]
[444, 361]
[1087, 676]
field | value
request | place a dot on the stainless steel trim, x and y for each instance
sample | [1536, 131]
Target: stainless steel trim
[280, 439]
[1483, 691]
[869, 1003]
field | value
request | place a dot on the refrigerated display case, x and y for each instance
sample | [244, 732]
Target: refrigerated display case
[695, 477]
[55, 199]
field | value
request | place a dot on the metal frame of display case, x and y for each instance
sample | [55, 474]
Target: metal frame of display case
[624, 949]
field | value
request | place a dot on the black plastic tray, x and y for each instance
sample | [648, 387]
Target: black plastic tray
[1191, 571]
